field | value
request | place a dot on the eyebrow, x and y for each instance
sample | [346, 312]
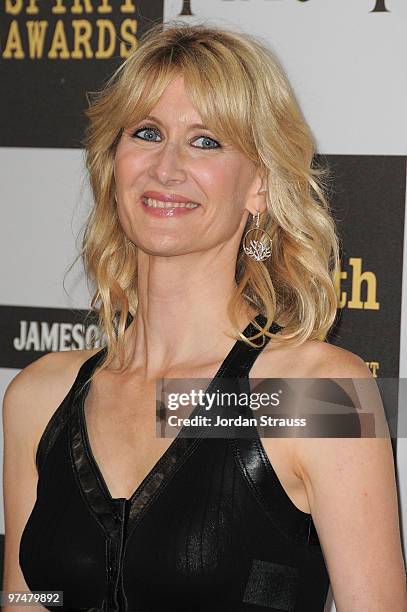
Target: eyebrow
[193, 125]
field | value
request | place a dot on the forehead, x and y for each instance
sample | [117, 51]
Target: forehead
[175, 105]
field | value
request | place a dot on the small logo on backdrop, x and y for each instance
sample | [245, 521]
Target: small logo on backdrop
[28, 332]
[60, 50]
[380, 7]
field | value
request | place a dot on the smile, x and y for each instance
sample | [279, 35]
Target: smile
[159, 204]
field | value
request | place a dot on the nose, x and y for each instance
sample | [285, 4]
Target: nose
[168, 164]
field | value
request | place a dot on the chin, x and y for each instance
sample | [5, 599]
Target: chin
[168, 249]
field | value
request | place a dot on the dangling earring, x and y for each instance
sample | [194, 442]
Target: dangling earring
[258, 248]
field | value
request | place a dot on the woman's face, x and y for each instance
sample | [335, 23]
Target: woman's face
[168, 155]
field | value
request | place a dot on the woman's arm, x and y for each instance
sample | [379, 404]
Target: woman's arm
[29, 402]
[19, 473]
[351, 488]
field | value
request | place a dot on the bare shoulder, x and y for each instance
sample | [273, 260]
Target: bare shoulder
[328, 360]
[313, 358]
[34, 394]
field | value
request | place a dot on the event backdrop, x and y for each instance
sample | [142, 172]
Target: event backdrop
[346, 62]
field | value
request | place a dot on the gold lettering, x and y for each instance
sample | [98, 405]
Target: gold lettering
[59, 43]
[36, 36]
[374, 367]
[105, 26]
[357, 279]
[13, 8]
[77, 7]
[105, 7]
[83, 32]
[128, 29]
[127, 7]
[107, 37]
[59, 8]
[32, 8]
[13, 48]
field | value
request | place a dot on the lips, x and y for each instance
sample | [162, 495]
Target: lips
[167, 197]
[157, 208]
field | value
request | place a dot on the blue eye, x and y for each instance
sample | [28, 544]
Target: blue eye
[146, 128]
[153, 130]
[207, 138]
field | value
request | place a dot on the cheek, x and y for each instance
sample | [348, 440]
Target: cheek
[218, 178]
[125, 169]
[127, 165]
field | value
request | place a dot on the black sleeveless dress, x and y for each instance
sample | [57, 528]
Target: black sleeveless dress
[210, 528]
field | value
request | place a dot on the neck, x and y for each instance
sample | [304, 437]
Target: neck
[181, 320]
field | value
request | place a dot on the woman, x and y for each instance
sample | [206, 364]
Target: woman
[195, 140]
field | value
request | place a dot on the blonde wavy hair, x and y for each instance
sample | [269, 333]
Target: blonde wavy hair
[242, 94]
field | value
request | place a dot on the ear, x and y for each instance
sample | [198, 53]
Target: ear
[256, 201]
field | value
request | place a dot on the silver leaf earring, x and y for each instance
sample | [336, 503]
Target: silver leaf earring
[259, 246]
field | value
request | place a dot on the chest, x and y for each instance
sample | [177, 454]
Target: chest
[120, 422]
[124, 436]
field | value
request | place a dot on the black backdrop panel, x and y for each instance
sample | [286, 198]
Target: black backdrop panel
[369, 206]
[43, 98]
[28, 332]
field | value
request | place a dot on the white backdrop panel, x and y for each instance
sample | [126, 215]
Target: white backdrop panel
[44, 201]
[347, 64]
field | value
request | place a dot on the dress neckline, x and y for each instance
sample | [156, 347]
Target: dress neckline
[91, 479]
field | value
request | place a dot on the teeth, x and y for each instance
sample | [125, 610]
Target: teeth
[158, 204]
